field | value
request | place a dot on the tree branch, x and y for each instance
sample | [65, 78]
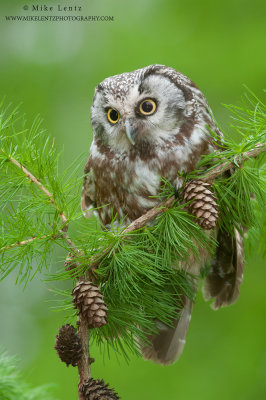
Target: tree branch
[220, 169]
[33, 179]
[35, 238]
[23, 242]
[63, 231]
[84, 363]
[163, 206]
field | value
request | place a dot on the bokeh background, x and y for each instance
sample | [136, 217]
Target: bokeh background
[51, 69]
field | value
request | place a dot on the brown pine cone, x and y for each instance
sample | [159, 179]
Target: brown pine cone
[95, 389]
[202, 203]
[68, 345]
[88, 299]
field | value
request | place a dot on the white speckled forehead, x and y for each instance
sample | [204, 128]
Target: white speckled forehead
[119, 85]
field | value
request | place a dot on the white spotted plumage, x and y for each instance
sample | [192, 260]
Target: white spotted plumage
[128, 158]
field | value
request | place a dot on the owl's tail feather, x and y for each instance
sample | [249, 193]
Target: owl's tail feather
[167, 345]
[226, 274]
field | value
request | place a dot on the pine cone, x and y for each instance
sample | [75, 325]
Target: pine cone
[88, 299]
[202, 203]
[68, 345]
[94, 389]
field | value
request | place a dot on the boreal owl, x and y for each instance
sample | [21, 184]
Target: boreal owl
[151, 124]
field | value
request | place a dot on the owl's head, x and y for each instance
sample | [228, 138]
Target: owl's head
[150, 106]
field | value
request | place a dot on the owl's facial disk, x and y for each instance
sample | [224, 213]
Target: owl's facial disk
[150, 111]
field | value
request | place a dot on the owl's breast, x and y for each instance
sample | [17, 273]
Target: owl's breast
[128, 188]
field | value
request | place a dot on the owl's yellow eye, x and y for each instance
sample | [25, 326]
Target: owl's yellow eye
[113, 115]
[147, 107]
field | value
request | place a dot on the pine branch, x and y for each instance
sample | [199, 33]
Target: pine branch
[36, 238]
[23, 242]
[163, 206]
[70, 242]
[33, 179]
[220, 169]
[84, 364]
[63, 231]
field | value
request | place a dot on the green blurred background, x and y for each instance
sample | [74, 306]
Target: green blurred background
[51, 68]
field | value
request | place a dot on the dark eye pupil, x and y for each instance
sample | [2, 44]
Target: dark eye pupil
[114, 115]
[147, 106]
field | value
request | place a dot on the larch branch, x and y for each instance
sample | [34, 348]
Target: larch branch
[36, 238]
[62, 231]
[163, 206]
[33, 179]
[23, 242]
[225, 166]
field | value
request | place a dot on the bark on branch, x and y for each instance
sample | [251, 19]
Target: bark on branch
[84, 364]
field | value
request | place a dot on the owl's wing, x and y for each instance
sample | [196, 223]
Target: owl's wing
[226, 273]
[88, 191]
[222, 284]
[166, 346]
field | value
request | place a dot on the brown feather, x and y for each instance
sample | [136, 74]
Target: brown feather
[226, 273]
[167, 345]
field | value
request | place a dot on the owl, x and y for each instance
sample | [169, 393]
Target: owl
[151, 124]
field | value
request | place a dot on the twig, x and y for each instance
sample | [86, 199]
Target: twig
[70, 242]
[23, 242]
[35, 238]
[63, 231]
[215, 172]
[33, 179]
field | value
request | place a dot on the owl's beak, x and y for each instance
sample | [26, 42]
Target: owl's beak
[131, 132]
